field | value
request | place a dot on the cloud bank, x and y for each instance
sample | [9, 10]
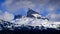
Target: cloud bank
[7, 16]
[50, 6]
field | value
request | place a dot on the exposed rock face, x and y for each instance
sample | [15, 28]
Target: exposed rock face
[45, 18]
[30, 12]
[33, 14]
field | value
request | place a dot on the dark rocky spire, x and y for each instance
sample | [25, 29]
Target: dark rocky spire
[30, 12]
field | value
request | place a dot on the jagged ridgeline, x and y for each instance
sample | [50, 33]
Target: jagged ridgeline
[33, 14]
[33, 20]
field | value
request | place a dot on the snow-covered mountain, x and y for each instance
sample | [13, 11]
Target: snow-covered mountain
[33, 14]
[32, 20]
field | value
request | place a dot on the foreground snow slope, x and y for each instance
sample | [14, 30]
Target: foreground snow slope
[36, 22]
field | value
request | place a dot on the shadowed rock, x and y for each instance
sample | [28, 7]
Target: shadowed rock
[17, 16]
[30, 12]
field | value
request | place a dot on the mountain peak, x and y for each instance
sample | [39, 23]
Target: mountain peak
[30, 12]
[33, 14]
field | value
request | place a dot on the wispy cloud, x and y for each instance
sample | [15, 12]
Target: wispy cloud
[40, 6]
[54, 17]
[7, 16]
[15, 5]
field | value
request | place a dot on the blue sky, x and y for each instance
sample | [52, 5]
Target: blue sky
[47, 8]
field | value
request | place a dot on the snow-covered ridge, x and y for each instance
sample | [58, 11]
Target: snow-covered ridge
[36, 22]
[32, 19]
[30, 22]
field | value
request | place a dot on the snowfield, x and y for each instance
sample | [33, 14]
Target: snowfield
[7, 21]
[36, 22]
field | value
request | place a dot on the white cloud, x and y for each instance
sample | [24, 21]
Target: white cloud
[54, 17]
[14, 6]
[51, 8]
[7, 16]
